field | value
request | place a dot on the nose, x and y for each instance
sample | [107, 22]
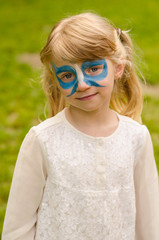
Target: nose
[82, 86]
[80, 76]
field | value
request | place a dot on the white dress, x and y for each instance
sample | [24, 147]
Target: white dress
[68, 185]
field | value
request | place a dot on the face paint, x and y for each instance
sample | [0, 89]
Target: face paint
[81, 75]
[90, 79]
[65, 68]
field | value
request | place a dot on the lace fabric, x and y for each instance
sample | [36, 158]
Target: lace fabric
[89, 193]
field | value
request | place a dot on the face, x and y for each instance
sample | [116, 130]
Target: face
[87, 85]
[89, 72]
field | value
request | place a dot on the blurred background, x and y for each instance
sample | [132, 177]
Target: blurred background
[24, 28]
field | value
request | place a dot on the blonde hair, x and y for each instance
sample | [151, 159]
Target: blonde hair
[88, 36]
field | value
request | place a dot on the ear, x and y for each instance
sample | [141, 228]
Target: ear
[119, 69]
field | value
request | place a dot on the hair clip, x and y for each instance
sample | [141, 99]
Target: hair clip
[118, 31]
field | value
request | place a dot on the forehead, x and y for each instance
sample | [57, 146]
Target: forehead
[63, 62]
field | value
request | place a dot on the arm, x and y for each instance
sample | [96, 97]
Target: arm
[26, 191]
[147, 194]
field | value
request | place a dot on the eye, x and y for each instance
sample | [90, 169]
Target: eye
[94, 70]
[67, 77]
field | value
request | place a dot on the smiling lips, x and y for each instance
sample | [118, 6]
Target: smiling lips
[87, 97]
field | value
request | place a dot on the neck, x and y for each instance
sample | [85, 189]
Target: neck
[98, 116]
[101, 122]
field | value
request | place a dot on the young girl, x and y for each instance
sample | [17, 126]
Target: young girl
[88, 172]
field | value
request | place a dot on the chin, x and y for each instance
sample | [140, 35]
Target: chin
[86, 108]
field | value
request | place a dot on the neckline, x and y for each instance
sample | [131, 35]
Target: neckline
[89, 136]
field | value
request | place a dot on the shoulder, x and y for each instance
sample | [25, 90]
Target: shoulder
[48, 124]
[132, 123]
[137, 135]
[133, 128]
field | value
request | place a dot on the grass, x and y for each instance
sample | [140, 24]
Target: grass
[150, 118]
[24, 25]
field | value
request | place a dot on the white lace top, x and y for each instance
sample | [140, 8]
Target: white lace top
[71, 186]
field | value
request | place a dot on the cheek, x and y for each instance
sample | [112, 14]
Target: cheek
[65, 92]
[108, 81]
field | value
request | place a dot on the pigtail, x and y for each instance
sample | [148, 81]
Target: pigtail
[127, 94]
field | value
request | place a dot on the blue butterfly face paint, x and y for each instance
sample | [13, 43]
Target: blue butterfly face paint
[90, 72]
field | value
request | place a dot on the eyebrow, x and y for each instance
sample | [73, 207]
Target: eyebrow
[64, 68]
[87, 64]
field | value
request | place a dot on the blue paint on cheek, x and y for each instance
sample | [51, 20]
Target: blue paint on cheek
[73, 89]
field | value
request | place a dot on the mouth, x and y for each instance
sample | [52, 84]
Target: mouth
[88, 97]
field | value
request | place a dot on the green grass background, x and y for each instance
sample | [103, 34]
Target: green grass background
[24, 27]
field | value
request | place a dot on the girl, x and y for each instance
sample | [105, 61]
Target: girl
[87, 172]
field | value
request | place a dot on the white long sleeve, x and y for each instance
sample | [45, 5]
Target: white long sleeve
[147, 194]
[89, 192]
[26, 191]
